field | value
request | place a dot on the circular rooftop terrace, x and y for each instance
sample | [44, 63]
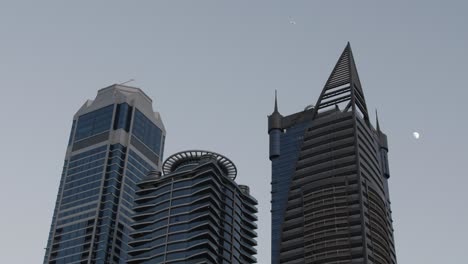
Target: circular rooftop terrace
[192, 157]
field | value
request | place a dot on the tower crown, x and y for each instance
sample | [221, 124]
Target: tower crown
[343, 88]
[192, 158]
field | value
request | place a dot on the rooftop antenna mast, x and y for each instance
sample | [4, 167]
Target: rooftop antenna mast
[131, 80]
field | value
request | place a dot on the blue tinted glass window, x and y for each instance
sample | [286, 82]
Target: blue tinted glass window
[282, 173]
[147, 132]
[123, 116]
[94, 122]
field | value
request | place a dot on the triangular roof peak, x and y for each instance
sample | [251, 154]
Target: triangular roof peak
[343, 87]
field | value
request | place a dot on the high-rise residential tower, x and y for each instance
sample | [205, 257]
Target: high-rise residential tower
[194, 213]
[115, 141]
[330, 198]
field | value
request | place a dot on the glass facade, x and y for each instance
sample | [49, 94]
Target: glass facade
[78, 205]
[287, 144]
[94, 123]
[123, 116]
[93, 214]
[194, 214]
[147, 132]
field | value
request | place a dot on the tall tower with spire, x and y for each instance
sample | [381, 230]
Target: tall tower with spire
[330, 198]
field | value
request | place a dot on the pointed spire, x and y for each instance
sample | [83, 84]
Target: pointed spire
[377, 120]
[275, 110]
[274, 120]
[276, 101]
[382, 137]
[343, 87]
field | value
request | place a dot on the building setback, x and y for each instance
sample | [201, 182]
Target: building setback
[330, 198]
[114, 142]
[194, 213]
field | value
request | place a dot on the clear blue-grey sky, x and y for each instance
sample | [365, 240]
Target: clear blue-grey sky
[211, 68]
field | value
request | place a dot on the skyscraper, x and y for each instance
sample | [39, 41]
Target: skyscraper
[194, 213]
[330, 198]
[114, 142]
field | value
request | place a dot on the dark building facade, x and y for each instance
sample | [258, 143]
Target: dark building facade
[114, 142]
[330, 198]
[194, 213]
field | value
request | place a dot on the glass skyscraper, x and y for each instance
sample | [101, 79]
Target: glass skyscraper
[114, 142]
[194, 213]
[286, 135]
[330, 197]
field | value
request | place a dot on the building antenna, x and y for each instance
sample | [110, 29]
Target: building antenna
[131, 80]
